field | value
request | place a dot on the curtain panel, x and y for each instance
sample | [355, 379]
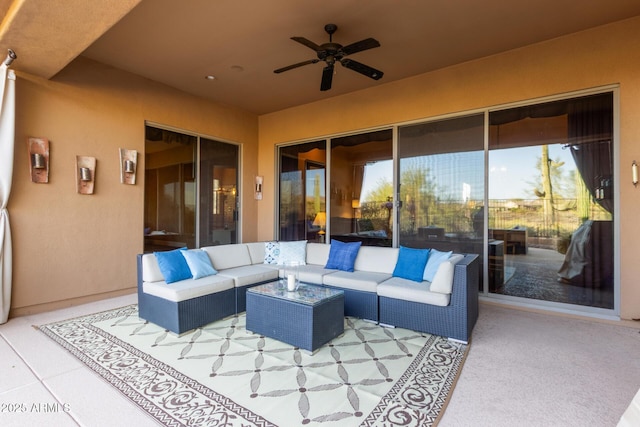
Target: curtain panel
[7, 134]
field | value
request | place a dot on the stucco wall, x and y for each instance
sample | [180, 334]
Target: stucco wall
[606, 55]
[67, 247]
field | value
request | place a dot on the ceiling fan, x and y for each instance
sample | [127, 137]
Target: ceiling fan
[332, 52]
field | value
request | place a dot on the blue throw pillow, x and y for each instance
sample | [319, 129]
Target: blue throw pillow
[342, 256]
[435, 259]
[173, 266]
[199, 263]
[411, 263]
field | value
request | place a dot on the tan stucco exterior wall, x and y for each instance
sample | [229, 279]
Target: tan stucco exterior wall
[603, 56]
[69, 248]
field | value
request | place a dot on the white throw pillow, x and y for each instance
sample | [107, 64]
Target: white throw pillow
[293, 251]
[271, 252]
[443, 279]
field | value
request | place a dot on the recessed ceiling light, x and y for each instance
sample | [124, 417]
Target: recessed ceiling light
[210, 77]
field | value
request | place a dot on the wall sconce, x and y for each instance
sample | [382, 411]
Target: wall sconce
[38, 159]
[128, 166]
[258, 189]
[634, 173]
[85, 174]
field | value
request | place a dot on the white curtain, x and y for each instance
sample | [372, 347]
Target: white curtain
[7, 133]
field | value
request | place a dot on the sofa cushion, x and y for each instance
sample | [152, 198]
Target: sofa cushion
[199, 263]
[443, 279]
[150, 269]
[173, 265]
[358, 280]
[410, 264]
[271, 252]
[250, 274]
[293, 252]
[436, 258]
[318, 253]
[228, 256]
[408, 290]
[312, 273]
[189, 288]
[256, 252]
[377, 259]
[342, 256]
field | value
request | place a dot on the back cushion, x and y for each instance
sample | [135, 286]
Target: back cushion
[228, 256]
[256, 251]
[376, 259]
[443, 279]
[150, 269]
[317, 253]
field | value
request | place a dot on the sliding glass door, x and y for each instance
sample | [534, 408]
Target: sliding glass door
[174, 215]
[551, 200]
[529, 189]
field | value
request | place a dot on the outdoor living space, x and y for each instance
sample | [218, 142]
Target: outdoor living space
[522, 368]
[505, 133]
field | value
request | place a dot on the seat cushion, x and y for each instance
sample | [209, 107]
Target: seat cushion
[358, 280]
[311, 273]
[408, 290]
[187, 289]
[250, 274]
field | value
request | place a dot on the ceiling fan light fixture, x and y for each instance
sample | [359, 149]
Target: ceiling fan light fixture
[332, 52]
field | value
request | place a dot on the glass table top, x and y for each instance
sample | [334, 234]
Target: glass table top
[305, 294]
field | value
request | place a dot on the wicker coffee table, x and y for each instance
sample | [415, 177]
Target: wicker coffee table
[307, 318]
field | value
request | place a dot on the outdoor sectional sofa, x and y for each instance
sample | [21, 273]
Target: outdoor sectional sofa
[371, 291]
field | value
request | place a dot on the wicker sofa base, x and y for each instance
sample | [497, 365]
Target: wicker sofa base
[360, 304]
[431, 319]
[180, 317]
[454, 321]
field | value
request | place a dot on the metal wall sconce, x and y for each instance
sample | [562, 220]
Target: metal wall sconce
[128, 166]
[85, 174]
[38, 149]
[258, 190]
[634, 173]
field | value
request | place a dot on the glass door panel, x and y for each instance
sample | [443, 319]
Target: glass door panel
[218, 193]
[551, 200]
[301, 189]
[441, 176]
[169, 190]
[361, 190]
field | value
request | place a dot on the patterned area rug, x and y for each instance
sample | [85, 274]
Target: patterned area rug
[222, 375]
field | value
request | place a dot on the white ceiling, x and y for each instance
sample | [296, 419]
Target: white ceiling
[241, 42]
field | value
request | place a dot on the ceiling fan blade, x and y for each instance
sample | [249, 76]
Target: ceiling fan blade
[299, 64]
[308, 43]
[327, 77]
[360, 46]
[362, 69]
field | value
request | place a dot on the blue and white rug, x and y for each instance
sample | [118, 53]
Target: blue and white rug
[222, 375]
